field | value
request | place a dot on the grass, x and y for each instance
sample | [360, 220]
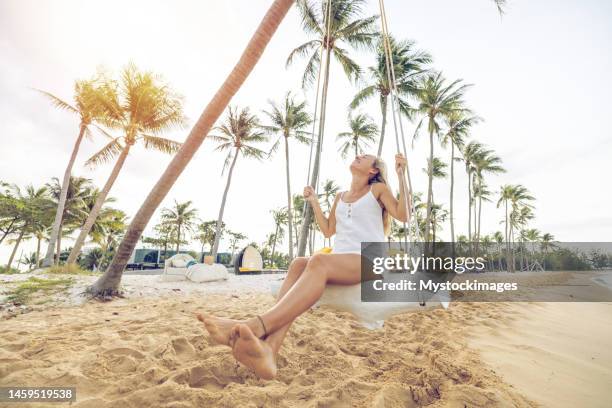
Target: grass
[10, 271]
[24, 292]
[70, 269]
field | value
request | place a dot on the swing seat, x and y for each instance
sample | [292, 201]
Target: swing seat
[371, 315]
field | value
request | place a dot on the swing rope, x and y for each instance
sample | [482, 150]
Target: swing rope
[315, 182]
[397, 119]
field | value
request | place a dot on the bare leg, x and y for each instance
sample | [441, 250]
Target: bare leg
[220, 328]
[321, 269]
[275, 339]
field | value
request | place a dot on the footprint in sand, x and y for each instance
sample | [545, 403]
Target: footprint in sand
[183, 349]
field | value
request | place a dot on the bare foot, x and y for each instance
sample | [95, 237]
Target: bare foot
[219, 328]
[254, 353]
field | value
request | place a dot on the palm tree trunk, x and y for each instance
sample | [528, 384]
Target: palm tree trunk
[109, 282]
[12, 257]
[178, 238]
[274, 245]
[58, 247]
[507, 237]
[470, 238]
[222, 209]
[429, 187]
[289, 211]
[452, 187]
[383, 108]
[478, 223]
[93, 215]
[38, 252]
[304, 233]
[59, 212]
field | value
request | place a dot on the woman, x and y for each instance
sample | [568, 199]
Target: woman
[361, 214]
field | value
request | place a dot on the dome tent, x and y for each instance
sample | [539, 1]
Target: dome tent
[248, 260]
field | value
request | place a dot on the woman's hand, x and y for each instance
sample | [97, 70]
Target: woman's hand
[400, 163]
[309, 194]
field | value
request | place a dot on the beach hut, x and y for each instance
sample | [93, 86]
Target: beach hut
[248, 260]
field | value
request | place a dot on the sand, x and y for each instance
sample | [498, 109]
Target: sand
[151, 352]
[558, 354]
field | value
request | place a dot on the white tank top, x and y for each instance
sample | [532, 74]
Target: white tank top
[357, 222]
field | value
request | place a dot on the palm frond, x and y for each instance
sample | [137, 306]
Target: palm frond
[302, 51]
[57, 102]
[106, 154]
[161, 144]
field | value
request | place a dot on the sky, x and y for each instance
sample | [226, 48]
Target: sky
[540, 75]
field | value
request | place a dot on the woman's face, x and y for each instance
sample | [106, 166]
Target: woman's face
[363, 164]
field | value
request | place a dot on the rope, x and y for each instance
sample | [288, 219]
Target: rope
[395, 107]
[316, 111]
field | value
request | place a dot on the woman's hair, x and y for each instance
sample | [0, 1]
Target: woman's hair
[381, 177]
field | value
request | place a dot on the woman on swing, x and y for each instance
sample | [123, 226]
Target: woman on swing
[360, 214]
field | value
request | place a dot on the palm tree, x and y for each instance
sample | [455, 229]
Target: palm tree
[235, 239]
[288, 120]
[141, 108]
[108, 284]
[108, 228]
[240, 130]
[344, 28]
[88, 95]
[458, 125]
[408, 65]
[280, 219]
[439, 215]
[498, 237]
[486, 163]
[437, 100]
[471, 152]
[78, 200]
[330, 189]
[517, 196]
[34, 204]
[363, 131]
[206, 234]
[546, 243]
[182, 217]
[439, 172]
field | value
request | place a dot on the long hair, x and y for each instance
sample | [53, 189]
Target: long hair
[381, 177]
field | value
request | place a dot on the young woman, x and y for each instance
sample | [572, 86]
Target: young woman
[361, 214]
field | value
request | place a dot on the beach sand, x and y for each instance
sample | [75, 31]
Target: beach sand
[152, 352]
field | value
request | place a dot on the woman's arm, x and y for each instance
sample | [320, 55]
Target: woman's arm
[397, 208]
[327, 225]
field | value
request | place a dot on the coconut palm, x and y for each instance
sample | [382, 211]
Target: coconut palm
[331, 37]
[288, 121]
[363, 131]
[330, 189]
[436, 100]
[182, 217]
[34, 205]
[88, 97]
[78, 200]
[109, 282]
[471, 152]
[108, 228]
[516, 196]
[486, 163]
[280, 219]
[141, 107]
[237, 135]
[408, 65]
[458, 125]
